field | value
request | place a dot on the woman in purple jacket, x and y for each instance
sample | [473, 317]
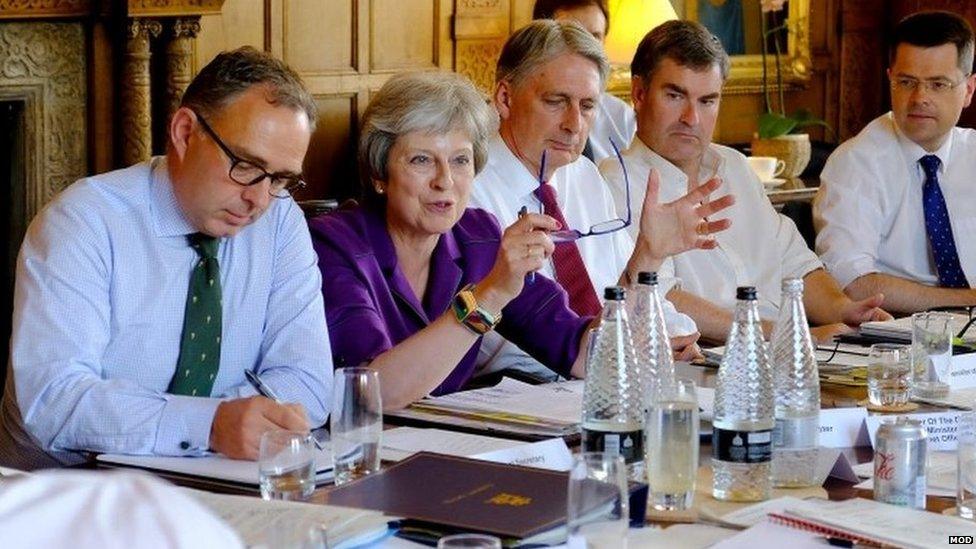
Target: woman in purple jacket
[412, 280]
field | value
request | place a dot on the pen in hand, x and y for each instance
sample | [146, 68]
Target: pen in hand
[529, 278]
[266, 391]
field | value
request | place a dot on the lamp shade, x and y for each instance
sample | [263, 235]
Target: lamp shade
[630, 21]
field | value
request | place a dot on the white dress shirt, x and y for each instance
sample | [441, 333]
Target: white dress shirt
[868, 210]
[615, 120]
[760, 249]
[505, 185]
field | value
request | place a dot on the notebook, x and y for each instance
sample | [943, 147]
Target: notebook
[211, 469]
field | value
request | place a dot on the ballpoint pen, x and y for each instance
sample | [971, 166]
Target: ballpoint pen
[266, 391]
[530, 277]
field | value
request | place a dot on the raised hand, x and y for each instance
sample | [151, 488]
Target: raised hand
[524, 248]
[681, 225]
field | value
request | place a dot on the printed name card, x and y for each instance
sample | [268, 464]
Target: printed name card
[843, 428]
[550, 454]
[941, 428]
[962, 374]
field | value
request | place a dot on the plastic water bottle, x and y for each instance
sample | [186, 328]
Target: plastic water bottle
[742, 433]
[613, 420]
[651, 342]
[797, 388]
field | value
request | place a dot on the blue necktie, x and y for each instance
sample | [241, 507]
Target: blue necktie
[938, 228]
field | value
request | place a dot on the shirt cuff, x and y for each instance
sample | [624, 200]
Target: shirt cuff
[184, 428]
[849, 271]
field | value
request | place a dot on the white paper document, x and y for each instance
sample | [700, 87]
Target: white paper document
[940, 426]
[212, 466]
[843, 428]
[402, 442]
[276, 523]
[555, 402]
[550, 454]
[770, 534]
[898, 526]
[963, 399]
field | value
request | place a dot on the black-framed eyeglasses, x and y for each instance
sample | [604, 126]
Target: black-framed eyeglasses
[247, 173]
[605, 227]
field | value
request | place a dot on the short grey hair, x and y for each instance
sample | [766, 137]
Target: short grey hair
[234, 72]
[542, 41]
[435, 102]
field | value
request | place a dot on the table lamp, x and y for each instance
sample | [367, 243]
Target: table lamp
[630, 20]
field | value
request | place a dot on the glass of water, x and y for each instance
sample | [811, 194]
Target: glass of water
[356, 423]
[286, 465]
[931, 354]
[469, 541]
[671, 445]
[598, 510]
[889, 374]
[966, 473]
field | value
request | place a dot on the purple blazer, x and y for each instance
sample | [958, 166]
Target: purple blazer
[370, 307]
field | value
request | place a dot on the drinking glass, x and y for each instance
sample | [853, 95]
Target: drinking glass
[966, 473]
[889, 374]
[286, 465]
[469, 541]
[931, 354]
[598, 506]
[671, 444]
[356, 423]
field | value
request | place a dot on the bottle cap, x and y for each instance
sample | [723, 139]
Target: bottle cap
[648, 278]
[613, 293]
[747, 293]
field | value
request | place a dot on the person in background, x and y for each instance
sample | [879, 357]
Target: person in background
[614, 118]
[678, 72]
[144, 294]
[548, 82]
[896, 209]
[413, 278]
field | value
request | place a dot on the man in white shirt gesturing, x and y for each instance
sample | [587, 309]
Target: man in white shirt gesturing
[548, 82]
[678, 72]
[895, 209]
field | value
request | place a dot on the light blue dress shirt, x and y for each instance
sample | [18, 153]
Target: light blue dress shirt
[101, 288]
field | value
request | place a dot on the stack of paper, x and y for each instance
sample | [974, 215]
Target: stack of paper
[265, 523]
[511, 407]
[213, 469]
[901, 328]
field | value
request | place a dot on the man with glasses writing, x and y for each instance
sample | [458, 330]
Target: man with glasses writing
[548, 83]
[144, 294]
[895, 209]
[678, 72]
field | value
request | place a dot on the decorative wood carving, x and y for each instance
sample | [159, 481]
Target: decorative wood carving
[173, 8]
[480, 30]
[476, 59]
[40, 65]
[24, 9]
[136, 106]
[179, 57]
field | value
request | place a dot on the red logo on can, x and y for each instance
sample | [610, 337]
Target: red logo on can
[883, 468]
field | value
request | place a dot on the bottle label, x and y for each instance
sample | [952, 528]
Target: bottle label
[629, 444]
[796, 433]
[742, 446]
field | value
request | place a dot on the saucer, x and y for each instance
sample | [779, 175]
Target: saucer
[774, 182]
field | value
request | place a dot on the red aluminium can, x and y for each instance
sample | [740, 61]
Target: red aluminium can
[900, 451]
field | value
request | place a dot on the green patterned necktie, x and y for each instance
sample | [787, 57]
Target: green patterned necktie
[200, 342]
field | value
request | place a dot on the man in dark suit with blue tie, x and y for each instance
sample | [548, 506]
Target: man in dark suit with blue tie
[896, 208]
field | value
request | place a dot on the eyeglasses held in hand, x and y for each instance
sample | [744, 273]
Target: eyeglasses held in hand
[606, 227]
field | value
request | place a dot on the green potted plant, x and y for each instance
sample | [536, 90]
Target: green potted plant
[779, 133]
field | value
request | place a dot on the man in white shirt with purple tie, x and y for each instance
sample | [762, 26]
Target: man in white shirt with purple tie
[895, 210]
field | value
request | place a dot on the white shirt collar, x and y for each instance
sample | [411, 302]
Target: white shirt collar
[511, 172]
[913, 152]
[712, 163]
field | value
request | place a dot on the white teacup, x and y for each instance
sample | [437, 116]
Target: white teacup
[766, 167]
